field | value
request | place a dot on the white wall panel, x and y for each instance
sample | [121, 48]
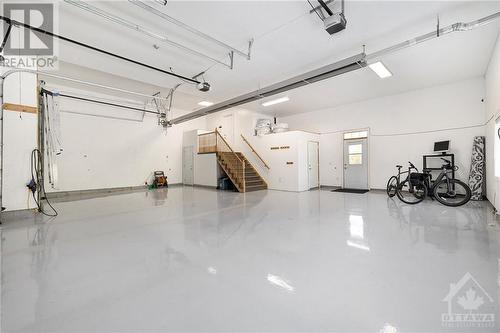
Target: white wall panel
[395, 123]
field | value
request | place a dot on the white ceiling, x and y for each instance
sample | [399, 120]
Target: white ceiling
[288, 41]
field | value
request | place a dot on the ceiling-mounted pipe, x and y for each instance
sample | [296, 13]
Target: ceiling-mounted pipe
[325, 7]
[459, 26]
[138, 28]
[317, 10]
[96, 101]
[96, 49]
[314, 9]
[182, 25]
[6, 37]
[325, 72]
[285, 87]
[78, 81]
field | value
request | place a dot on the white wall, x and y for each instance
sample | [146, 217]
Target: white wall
[20, 138]
[104, 147]
[492, 79]
[280, 176]
[243, 122]
[394, 123]
[205, 166]
[331, 159]
[107, 147]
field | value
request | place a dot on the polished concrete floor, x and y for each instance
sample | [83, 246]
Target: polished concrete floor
[194, 259]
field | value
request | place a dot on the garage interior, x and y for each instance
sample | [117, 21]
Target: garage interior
[257, 166]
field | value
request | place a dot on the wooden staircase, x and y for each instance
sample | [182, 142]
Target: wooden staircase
[237, 167]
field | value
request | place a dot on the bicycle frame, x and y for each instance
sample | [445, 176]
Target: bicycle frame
[408, 172]
[443, 174]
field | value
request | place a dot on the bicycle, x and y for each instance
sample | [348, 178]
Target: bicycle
[392, 183]
[409, 193]
[448, 191]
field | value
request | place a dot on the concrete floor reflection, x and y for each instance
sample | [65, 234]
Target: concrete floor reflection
[194, 259]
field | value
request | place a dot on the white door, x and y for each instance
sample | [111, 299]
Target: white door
[313, 163]
[226, 128]
[356, 164]
[187, 165]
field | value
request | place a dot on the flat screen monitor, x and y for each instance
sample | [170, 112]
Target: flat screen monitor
[442, 145]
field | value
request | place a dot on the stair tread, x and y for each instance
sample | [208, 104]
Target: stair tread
[231, 163]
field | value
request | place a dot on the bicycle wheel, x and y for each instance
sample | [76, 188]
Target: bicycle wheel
[452, 192]
[392, 186]
[411, 194]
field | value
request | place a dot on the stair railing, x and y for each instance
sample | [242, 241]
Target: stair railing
[235, 167]
[255, 152]
[207, 143]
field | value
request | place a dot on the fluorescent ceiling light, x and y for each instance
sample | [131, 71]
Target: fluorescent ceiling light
[276, 101]
[205, 103]
[380, 69]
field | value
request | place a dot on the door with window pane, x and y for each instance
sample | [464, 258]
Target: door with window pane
[356, 163]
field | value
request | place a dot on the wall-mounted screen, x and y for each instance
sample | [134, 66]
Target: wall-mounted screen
[442, 145]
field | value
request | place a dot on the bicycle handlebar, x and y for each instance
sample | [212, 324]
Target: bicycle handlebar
[412, 166]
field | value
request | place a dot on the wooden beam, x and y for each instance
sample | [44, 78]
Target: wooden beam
[20, 108]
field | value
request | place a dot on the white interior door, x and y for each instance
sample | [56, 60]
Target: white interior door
[313, 163]
[226, 128]
[187, 165]
[356, 164]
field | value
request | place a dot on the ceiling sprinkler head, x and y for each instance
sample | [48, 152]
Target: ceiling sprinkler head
[203, 86]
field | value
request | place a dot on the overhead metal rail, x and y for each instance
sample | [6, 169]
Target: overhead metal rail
[6, 37]
[195, 31]
[96, 49]
[314, 9]
[459, 26]
[96, 101]
[325, 72]
[136, 27]
[335, 69]
[325, 7]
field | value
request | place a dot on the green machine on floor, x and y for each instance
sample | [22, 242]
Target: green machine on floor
[160, 180]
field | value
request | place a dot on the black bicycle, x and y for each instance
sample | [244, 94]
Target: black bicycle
[409, 192]
[445, 189]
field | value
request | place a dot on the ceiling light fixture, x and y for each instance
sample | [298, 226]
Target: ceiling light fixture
[205, 103]
[276, 101]
[380, 69]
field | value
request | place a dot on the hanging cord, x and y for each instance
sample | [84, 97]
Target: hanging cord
[37, 179]
[20, 74]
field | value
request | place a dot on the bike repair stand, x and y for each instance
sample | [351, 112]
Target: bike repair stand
[442, 155]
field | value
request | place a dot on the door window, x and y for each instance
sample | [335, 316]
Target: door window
[356, 154]
[356, 135]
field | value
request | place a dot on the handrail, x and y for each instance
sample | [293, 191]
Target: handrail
[227, 144]
[255, 152]
[208, 133]
[240, 174]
